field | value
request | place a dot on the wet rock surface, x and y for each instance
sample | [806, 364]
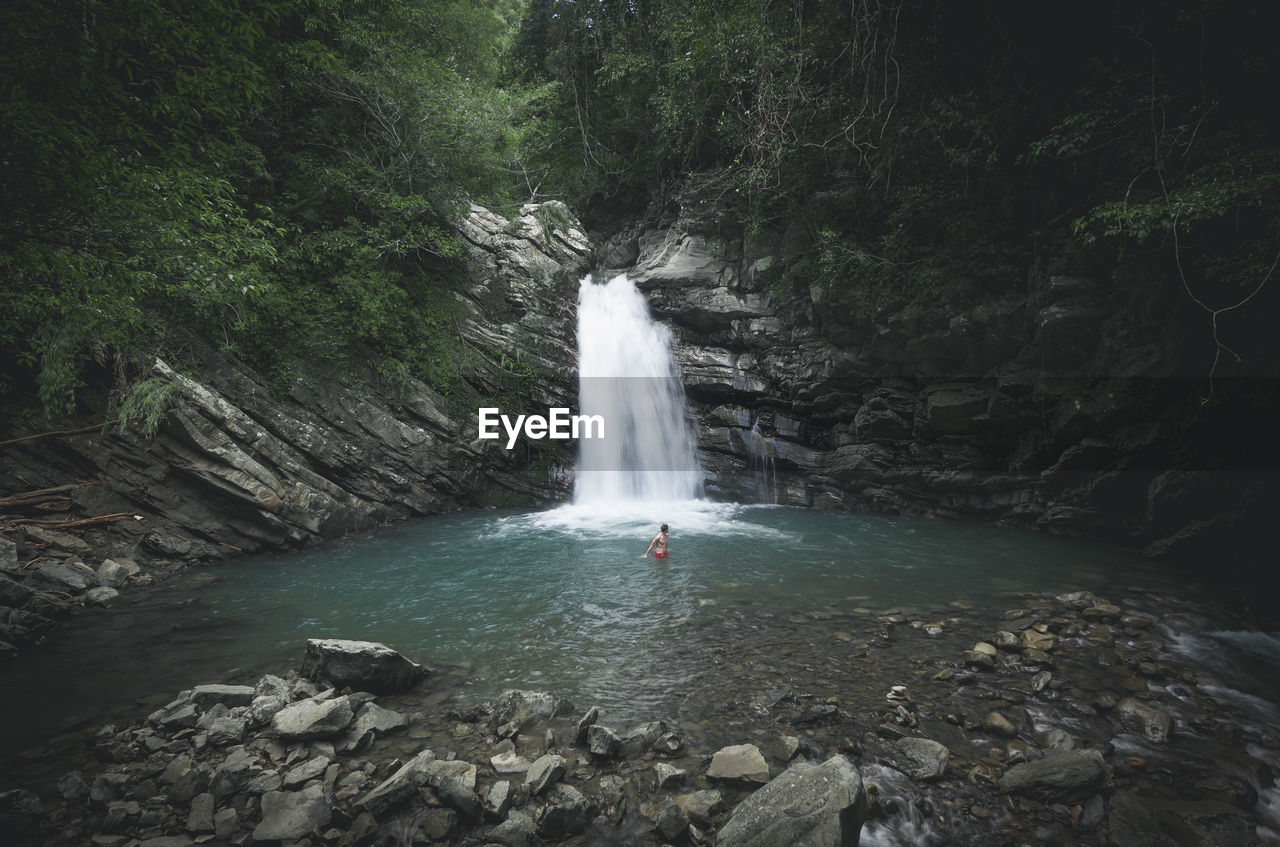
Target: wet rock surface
[1049, 406]
[239, 465]
[804, 728]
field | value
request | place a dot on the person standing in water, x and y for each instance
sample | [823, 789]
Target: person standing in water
[658, 545]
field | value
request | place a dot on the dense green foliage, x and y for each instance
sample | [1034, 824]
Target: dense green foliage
[921, 146]
[275, 177]
[278, 178]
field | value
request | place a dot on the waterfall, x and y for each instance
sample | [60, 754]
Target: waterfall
[625, 375]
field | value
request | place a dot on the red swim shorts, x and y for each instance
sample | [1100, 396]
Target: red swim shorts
[660, 555]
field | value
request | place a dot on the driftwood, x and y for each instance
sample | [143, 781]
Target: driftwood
[44, 495]
[97, 519]
[59, 432]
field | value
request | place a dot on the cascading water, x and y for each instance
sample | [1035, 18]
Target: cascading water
[626, 376]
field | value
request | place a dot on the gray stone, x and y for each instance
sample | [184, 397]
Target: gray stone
[700, 806]
[668, 744]
[545, 771]
[115, 573]
[516, 710]
[72, 787]
[920, 758]
[102, 595]
[602, 741]
[371, 721]
[305, 772]
[665, 774]
[232, 774]
[518, 830]
[1141, 718]
[740, 763]
[588, 720]
[207, 696]
[292, 814]
[456, 790]
[180, 714]
[1059, 775]
[9, 564]
[399, 786]
[507, 760]
[997, 724]
[226, 822]
[362, 665]
[567, 813]
[498, 801]
[312, 718]
[668, 818]
[805, 806]
[166, 841]
[637, 741]
[200, 818]
[65, 577]
[226, 731]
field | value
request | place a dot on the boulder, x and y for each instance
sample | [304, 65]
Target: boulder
[567, 813]
[101, 595]
[498, 801]
[371, 721]
[518, 830]
[699, 806]
[292, 814]
[739, 763]
[114, 573]
[206, 696]
[1142, 718]
[545, 771]
[516, 710]
[602, 741]
[362, 665]
[9, 564]
[301, 774]
[920, 758]
[65, 577]
[640, 739]
[400, 785]
[507, 760]
[805, 806]
[312, 718]
[1059, 775]
[200, 818]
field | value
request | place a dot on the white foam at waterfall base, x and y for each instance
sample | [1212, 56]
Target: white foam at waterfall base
[633, 519]
[627, 377]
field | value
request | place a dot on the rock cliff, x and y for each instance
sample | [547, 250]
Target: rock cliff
[1078, 405]
[235, 467]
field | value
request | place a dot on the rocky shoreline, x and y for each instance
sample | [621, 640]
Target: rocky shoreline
[1067, 720]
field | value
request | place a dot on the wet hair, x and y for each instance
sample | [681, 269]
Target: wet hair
[664, 527]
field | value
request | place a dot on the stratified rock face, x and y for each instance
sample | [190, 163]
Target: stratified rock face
[805, 806]
[1037, 407]
[362, 665]
[238, 467]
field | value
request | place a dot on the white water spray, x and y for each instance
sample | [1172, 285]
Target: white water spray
[625, 375]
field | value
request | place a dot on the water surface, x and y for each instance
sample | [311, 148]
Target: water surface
[558, 600]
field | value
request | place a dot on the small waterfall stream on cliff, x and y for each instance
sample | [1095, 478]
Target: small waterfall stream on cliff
[626, 376]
